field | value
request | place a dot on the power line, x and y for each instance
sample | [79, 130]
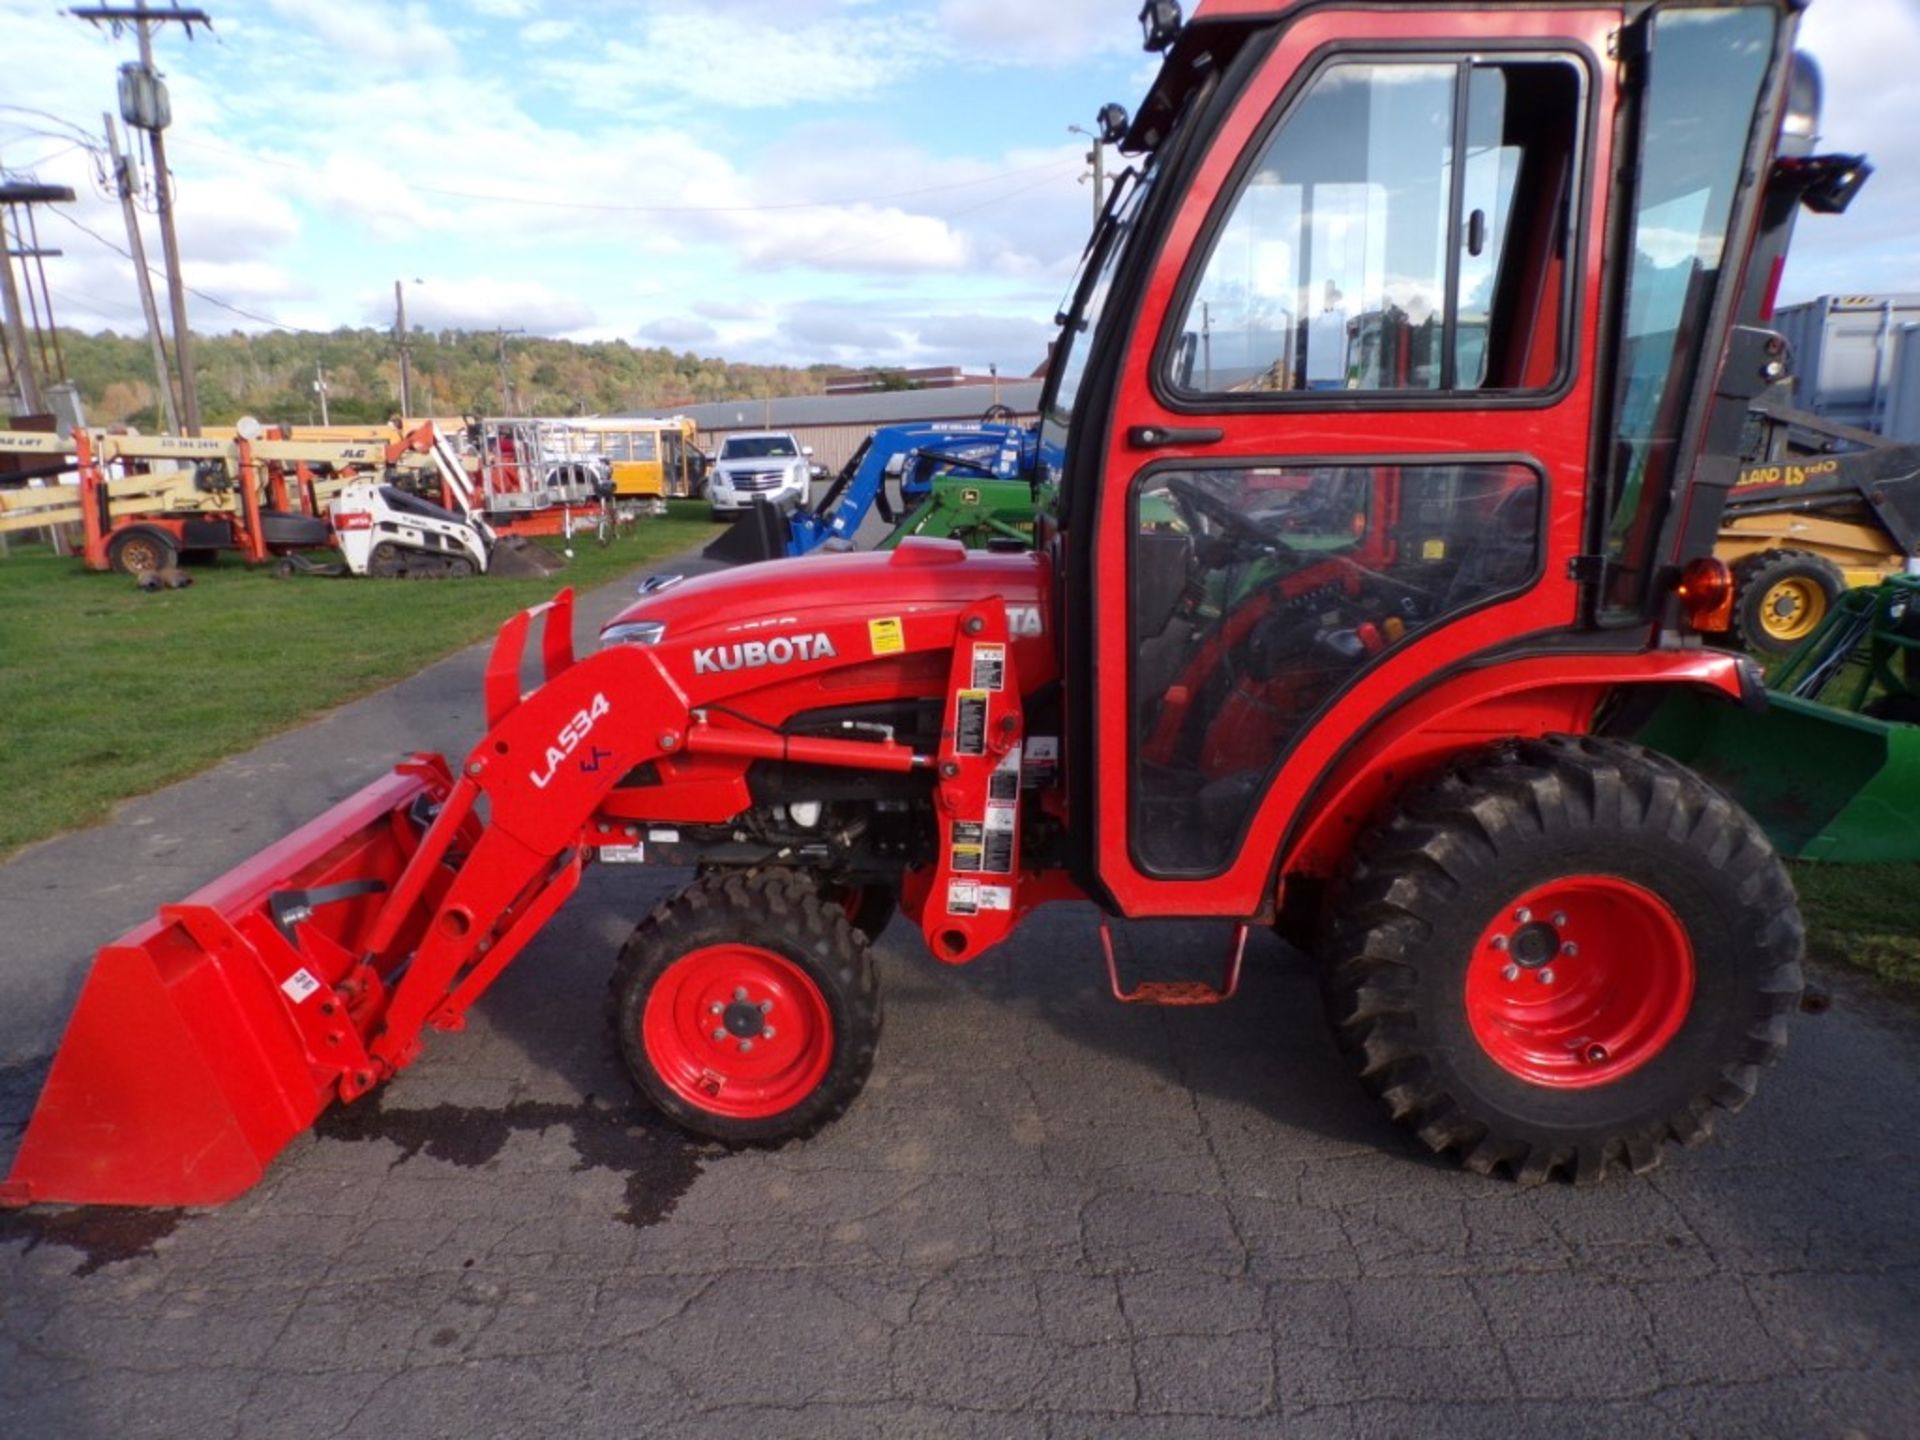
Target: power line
[239, 310]
[72, 125]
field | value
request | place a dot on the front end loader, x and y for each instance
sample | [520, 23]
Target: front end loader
[1302, 642]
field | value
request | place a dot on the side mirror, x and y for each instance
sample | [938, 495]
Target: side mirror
[806, 450]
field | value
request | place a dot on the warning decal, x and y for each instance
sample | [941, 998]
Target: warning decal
[970, 723]
[970, 897]
[299, 985]
[886, 636]
[1004, 783]
[989, 667]
[966, 839]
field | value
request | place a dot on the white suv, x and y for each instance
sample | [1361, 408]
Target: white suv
[767, 465]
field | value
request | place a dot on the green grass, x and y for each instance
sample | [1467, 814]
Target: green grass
[1864, 916]
[106, 692]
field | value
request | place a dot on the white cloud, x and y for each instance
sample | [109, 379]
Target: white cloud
[482, 302]
[732, 56]
[1868, 51]
[677, 330]
[1055, 32]
[550, 32]
[387, 38]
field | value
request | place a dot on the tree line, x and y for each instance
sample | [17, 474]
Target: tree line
[453, 372]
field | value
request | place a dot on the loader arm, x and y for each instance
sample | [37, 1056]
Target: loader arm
[206, 1040]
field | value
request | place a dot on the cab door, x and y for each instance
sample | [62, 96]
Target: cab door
[1353, 422]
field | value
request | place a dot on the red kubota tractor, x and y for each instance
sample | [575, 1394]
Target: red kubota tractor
[1291, 651]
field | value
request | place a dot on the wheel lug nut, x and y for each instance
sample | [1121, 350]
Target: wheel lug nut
[766, 1007]
[716, 1008]
[720, 1033]
[740, 992]
[767, 1033]
[1559, 919]
[1523, 915]
[1546, 977]
[745, 1046]
[1512, 972]
[1499, 942]
[1570, 949]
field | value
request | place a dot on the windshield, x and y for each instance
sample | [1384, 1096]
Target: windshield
[1076, 337]
[759, 447]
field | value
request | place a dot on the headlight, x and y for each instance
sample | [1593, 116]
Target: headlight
[634, 632]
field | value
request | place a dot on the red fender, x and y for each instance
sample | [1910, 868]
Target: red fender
[1548, 694]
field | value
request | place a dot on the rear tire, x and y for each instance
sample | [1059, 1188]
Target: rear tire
[704, 977]
[1643, 990]
[1781, 596]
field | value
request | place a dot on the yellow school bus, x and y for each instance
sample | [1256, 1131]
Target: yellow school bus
[650, 457]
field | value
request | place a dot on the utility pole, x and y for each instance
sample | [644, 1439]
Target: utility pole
[1097, 158]
[144, 106]
[320, 389]
[403, 342]
[127, 183]
[16, 243]
[506, 389]
[27, 384]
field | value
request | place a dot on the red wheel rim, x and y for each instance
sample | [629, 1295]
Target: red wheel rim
[1580, 981]
[738, 1030]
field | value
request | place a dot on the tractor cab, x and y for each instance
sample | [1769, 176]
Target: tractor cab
[1353, 400]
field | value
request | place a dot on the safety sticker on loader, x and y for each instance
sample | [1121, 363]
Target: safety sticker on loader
[989, 667]
[1042, 760]
[886, 636]
[970, 723]
[1000, 826]
[1004, 783]
[299, 985]
[634, 854]
[970, 897]
[967, 841]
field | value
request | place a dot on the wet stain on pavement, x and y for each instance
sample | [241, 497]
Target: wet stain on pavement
[660, 1163]
[103, 1234]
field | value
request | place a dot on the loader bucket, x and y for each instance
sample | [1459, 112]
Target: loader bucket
[1824, 784]
[517, 558]
[194, 1056]
[760, 534]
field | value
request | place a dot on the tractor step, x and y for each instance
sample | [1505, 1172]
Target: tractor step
[1176, 992]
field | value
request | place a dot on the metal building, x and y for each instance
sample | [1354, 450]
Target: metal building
[834, 425]
[1845, 354]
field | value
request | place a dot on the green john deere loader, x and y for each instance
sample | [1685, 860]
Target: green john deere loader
[1831, 766]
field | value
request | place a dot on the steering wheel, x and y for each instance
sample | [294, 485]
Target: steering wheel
[999, 415]
[1219, 510]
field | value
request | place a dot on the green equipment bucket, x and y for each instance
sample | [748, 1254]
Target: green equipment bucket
[1825, 784]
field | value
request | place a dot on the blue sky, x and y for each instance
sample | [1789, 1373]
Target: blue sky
[845, 181]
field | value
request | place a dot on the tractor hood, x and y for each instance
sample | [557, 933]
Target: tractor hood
[920, 575]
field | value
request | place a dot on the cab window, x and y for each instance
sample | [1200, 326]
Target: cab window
[1261, 592]
[1404, 229]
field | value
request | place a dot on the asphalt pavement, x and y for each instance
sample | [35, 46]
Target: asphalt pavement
[1049, 1215]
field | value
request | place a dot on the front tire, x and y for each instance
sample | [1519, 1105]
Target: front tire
[1781, 596]
[746, 1008]
[1560, 954]
[142, 551]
